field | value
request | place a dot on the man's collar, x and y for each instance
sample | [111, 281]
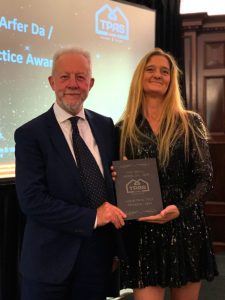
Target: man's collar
[62, 115]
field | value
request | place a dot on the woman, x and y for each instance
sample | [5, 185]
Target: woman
[172, 249]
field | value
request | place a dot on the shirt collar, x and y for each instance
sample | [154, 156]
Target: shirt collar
[62, 115]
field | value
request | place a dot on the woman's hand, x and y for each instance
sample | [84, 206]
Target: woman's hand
[167, 214]
[113, 172]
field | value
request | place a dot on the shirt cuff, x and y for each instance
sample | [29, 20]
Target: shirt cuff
[96, 220]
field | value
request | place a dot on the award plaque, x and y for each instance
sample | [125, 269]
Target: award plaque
[137, 187]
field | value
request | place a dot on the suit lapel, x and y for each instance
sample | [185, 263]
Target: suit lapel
[59, 142]
[96, 128]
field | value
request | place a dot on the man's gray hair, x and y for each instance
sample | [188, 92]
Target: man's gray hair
[71, 50]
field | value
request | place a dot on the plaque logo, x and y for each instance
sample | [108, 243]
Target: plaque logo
[139, 185]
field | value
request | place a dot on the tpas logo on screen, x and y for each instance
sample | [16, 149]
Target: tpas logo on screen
[111, 23]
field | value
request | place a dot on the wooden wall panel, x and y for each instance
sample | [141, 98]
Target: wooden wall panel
[214, 103]
[218, 158]
[204, 39]
[214, 54]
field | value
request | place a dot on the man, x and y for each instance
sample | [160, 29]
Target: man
[68, 241]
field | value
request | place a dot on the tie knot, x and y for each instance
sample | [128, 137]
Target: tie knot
[74, 120]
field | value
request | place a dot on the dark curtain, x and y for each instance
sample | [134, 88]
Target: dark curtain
[168, 35]
[11, 231]
[168, 24]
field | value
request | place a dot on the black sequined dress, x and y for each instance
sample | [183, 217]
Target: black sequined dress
[179, 251]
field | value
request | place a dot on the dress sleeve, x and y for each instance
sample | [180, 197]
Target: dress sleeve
[200, 164]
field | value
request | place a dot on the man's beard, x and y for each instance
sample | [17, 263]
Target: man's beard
[72, 108]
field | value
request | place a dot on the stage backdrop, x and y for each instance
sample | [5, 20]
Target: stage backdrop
[116, 33]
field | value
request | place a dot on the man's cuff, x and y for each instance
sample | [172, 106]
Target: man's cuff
[96, 221]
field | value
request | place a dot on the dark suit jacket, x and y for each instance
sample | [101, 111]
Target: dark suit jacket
[50, 194]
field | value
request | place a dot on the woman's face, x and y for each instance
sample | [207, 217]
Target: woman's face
[156, 77]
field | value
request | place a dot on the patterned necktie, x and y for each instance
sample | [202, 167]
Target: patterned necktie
[92, 179]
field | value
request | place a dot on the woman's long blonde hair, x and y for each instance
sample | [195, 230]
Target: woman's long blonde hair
[173, 110]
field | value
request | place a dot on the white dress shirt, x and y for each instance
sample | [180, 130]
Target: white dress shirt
[84, 128]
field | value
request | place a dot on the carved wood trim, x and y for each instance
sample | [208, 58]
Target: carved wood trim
[201, 22]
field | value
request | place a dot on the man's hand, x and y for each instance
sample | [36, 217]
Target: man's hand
[108, 213]
[169, 213]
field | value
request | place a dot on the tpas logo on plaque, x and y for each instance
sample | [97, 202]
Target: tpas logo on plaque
[137, 187]
[134, 186]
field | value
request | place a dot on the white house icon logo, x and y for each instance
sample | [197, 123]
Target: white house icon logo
[111, 23]
[2, 138]
[134, 186]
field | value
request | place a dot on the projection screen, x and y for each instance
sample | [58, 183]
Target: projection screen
[116, 33]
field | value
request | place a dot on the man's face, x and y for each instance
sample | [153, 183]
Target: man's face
[71, 81]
